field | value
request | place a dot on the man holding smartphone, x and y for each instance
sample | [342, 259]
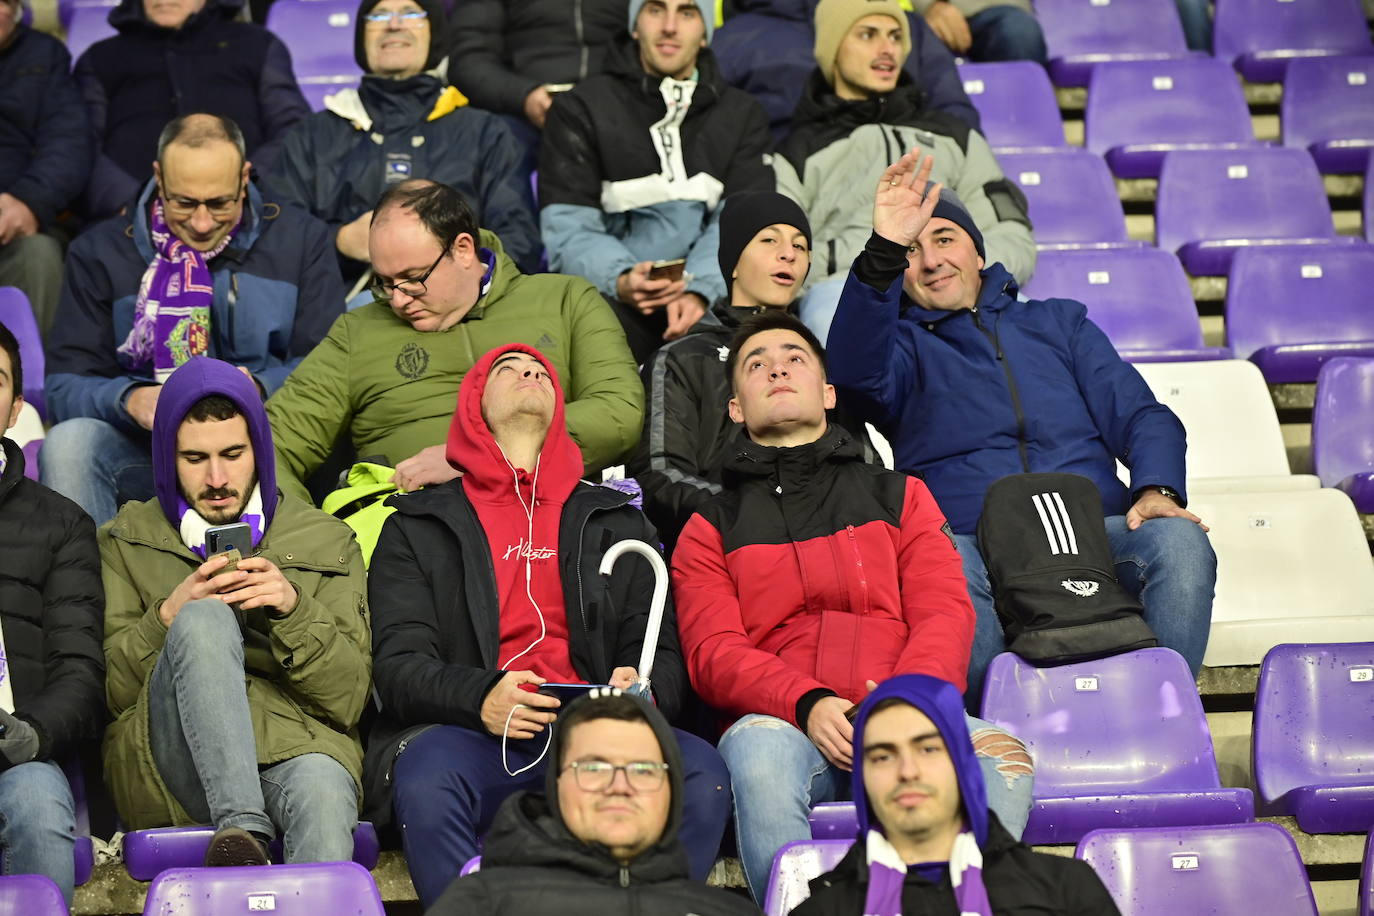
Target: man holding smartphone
[249, 726]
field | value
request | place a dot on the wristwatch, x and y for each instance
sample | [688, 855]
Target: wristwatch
[1165, 491]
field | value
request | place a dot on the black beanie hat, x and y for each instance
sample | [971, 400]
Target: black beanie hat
[744, 215]
[438, 32]
[950, 207]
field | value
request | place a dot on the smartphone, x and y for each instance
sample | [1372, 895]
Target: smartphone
[566, 693]
[555, 88]
[237, 536]
[668, 270]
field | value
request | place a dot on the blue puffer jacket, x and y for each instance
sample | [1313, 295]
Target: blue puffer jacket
[765, 48]
[277, 291]
[1010, 386]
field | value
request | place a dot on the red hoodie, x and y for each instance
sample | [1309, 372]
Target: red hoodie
[520, 509]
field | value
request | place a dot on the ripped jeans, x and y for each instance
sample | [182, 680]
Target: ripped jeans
[778, 774]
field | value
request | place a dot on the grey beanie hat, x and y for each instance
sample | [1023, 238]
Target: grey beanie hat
[707, 16]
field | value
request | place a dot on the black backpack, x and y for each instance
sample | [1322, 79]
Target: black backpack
[1045, 546]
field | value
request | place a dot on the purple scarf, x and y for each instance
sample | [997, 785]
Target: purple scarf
[172, 315]
[887, 874]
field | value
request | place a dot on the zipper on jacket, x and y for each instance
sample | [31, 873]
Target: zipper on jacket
[624, 876]
[859, 565]
[995, 339]
[582, 45]
[400, 749]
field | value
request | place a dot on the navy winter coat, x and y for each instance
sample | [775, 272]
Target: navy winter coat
[45, 147]
[969, 396]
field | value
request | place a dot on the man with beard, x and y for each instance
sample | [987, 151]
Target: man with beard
[235, 692]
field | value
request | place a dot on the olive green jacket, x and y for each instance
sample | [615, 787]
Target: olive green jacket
[307, 674]
[393, 389]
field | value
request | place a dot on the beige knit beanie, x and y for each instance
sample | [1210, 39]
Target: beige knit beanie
[834, 18]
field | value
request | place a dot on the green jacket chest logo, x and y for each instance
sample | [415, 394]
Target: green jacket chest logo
[412, 361]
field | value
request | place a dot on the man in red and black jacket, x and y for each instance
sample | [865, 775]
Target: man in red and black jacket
[812, 577]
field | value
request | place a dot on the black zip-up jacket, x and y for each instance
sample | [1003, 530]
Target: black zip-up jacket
[435, 618]
[1019, 881]
[52, 608]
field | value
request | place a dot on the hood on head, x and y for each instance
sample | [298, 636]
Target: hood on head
[472, 448]
[943, 704]
[197, 378]
[438, 32]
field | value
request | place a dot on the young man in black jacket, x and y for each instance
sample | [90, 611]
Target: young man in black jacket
[52, 668]
[927, 841]
[603, 838]
[487, 587]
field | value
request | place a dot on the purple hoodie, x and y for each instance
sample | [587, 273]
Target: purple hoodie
[195, 379]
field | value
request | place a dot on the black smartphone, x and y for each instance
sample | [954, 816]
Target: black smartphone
[237, 536]
[566, 693]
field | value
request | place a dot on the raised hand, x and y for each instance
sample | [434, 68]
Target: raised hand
[902, 204]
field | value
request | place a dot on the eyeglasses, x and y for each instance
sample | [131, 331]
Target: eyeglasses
[414, 287]
[598, 775]
[185, 206]
[409, 19]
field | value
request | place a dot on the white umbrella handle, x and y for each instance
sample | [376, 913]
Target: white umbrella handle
[646, 655]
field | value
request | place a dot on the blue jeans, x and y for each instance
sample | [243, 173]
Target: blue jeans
[450, 781]
[200, 723]
[38, 823]
[1006, 33]
[1166, 563]
[779, 774]
[97, 466]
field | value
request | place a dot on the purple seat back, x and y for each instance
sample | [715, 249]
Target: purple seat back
[1288, 310]
[1082, 33]
[1072, 196]
[1015, 103]
[1328, 110]
[833, 821]
[30, 895]
[283, 890]
[1139, 110]
[1367, 878]
[1214, 201]
[1260, 37]
[83, 852]
[1236, 868]
[17, 315]
[1313, 707]
[793, 868]
[1342, 431]
[1139, 297]
[471, 865]
[148, 853]
[88, 24]
[319, 34]
[32, 448]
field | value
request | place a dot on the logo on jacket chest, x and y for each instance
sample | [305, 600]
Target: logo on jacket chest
[412, 361]
[522, 551]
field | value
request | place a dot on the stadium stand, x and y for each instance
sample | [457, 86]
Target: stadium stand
[1260, 37]
[148, 853]
[1016, 104]
[1342, 434]
[286, 890]
[320, 36]
[17, 315]
[795, 865]
[1072, 198]
[1328, 109]
[1083, 33]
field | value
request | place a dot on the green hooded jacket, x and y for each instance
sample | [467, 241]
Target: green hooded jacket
[393, 389]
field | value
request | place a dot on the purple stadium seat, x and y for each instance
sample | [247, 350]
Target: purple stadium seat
[283, 890]
[1117, 742]
[1367, 878]
[30, 895]
[320, 36]
[1073, 198]
[1288, 310]
[17, 315]
[1260, 37]
[1239, 868]
[1328, 110]
[793, 868]
[1140, 110]
[1082, 33]
[1313, 748]
[470, 866]
[32, 448]
[65, 8]
[88, 25]
[1368, 209]
[83, 852]
[1213, 202]
[834, 821]
[1343, 428]
[1139, 297]
[1016, 104]
[147, 853]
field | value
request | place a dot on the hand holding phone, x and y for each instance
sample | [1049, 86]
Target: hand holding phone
[668, 270]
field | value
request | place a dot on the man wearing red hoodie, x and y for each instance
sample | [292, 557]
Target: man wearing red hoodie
[487, 587]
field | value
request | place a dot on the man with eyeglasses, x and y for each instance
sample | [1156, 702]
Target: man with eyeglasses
[404, 122]
[202, 265]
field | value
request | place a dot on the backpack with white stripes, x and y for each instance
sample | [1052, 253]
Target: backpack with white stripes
[1045, 546]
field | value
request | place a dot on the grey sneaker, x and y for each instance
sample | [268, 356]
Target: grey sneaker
[235, 846]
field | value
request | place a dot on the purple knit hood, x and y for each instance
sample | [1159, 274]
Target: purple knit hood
[197, 378]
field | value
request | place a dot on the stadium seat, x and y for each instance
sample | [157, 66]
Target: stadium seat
[319, 34]
[28, 434]
[1368, 209]
[1235, 443]
[1313, 747]
[1367, 878]
[1117, 742]
[88, 24]
[30, 895]
[148, 853]
[83, 852]
[1073, 198]
[1288, 310]
[1213, 202]
[1238, 868]
[1292, 566]
[470, 866]
[1328, 110]
[1343, 429]
[65, 9]
[17, 315]
[1082, 33]
[795, 865]
[1260, 37]
[1139, 296]
[283, 890]
[1015, 103]
[833, 821]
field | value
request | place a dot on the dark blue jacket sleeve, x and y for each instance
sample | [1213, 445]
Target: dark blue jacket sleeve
[280, 103]
[109, 187]
[507, 204]
[319, 299]
[932, 66]
[871, 362]
[61, 155]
